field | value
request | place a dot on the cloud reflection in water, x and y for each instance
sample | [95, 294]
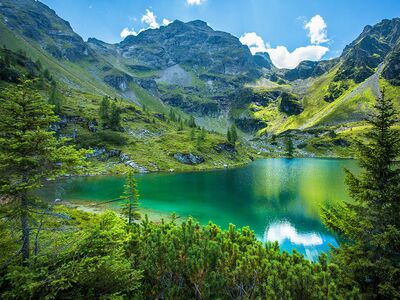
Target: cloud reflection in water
[282, 231]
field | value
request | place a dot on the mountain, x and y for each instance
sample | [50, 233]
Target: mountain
[186, 65]
[77, 75]
[333, 94]
[361, 58]
[209, 74]
[307, 69]
[37, 22]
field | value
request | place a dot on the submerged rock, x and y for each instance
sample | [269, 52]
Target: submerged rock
[189, 158]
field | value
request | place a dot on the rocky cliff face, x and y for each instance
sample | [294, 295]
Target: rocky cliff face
[39, 23]
[202, 71]
[392, 68]
[307, 69]
[187, 65]
[360, 58]
[193, 44]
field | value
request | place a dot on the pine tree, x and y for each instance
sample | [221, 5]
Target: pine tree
[115, 117]
[192, 134]
[202, 134]
[38, 64]
[47, 75]
[289, 147]
[29, 152]
[172, 115]
[180, 126]
[131, 199]
[232, 135]
[55, 99]
[229, 135]
[192, 122]
[371, 224]
[104, 110]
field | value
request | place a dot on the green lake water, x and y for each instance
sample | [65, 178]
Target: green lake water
[279, 199]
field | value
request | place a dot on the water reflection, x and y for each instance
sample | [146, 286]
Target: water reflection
[308, 243]
[279, 199]
[285, 231]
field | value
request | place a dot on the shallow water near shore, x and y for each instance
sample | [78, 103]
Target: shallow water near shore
[280, 199]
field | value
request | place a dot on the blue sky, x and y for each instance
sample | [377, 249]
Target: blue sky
[289, 30]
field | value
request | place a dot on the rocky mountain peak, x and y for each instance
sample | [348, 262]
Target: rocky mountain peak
[37, 22]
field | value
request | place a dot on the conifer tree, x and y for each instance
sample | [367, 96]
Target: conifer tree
[370, 225]
[172, 115]
[131, 199]
[192, 134]
[192, 122]
[289, 147]
[180, 126]
[55, 99]
[29, 152]
[202, 134]
[228, 135]
[115, 117]
[104, 110]
[232, 135]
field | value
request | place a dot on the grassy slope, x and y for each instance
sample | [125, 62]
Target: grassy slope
[150, 141]
[348, 110]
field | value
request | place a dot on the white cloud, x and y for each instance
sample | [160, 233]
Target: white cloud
[285, 231]
[126, 31]
[150, 19]
[254, 42]
[195, 2]
[317, 30]
[166, 22]
[282, 58]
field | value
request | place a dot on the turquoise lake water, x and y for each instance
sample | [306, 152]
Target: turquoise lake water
[279, 199]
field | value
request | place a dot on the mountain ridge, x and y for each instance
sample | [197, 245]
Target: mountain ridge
[204, 72]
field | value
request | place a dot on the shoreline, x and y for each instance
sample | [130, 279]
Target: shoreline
[216, 168]
[153, 215]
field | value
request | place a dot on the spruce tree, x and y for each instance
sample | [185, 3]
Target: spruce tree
[180, 126]
[115, 117]
[172, 115]
[104, 110]
[29, 152]
[232, 135]
[370, 225]
[192, 122]
[131, 199]
[192, 134]
[55, 99]
[289, 147]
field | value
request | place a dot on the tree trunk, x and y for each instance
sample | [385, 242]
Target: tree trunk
[25, 229]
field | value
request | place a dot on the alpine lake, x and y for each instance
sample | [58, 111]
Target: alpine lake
[279, 198]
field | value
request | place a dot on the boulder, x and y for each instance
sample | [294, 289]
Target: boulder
[290, 104]
[225, 147]
[189, 158]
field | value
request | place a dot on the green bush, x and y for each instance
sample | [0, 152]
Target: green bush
[335, 90]
[103, 257]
